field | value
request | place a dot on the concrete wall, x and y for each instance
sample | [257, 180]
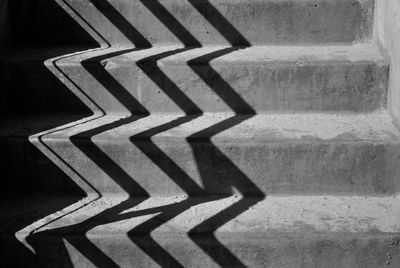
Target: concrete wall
[387, 33]
[3, 22]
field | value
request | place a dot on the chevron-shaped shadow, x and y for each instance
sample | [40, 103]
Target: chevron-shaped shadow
[222, 179]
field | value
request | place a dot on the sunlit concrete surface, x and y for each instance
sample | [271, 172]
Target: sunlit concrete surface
[199, 133]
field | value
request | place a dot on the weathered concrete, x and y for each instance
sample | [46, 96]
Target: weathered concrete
[313, 231]
[296, 78]
[222, 22]
[254, 250]
[387, 32]
[335, 214]
[302, 154]
[157, 184]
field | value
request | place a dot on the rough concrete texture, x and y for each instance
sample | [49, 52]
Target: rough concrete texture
[312, 231]
[336, 214]
[387, 32]
[172, 154]
[166, 185]
[253, 250]
[235, 22]
[274, 78]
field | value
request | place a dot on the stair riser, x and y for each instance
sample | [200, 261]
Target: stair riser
[275, 86]
[319, 86]
[253, 250]
[305, 168]
[209, 22]
[281, 168]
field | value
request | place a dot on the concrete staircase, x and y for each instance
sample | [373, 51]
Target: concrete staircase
[198, 133]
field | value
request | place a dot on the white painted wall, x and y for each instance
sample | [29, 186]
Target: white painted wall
[387, 33]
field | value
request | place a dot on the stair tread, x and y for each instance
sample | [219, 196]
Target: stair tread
[274, 214]
[173, 79]
[223, 127]
[346, 228]
[166, 154]
[262, 54]
[271, 127]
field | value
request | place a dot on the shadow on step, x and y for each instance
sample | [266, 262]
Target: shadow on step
[29, 90]
[39, 30]
[29, 178]
[50, 243]
[43, 23]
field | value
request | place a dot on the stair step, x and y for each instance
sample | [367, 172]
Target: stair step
[162, 155]
[277, 231]
[210, 79]
[140, 22]
[198, 133]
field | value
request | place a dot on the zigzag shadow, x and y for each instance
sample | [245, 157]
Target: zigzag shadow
[225, 175]
[83, 142]
[207, 170]
[211, 176]
[27, 96]
[205, 152]
[217, 20]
